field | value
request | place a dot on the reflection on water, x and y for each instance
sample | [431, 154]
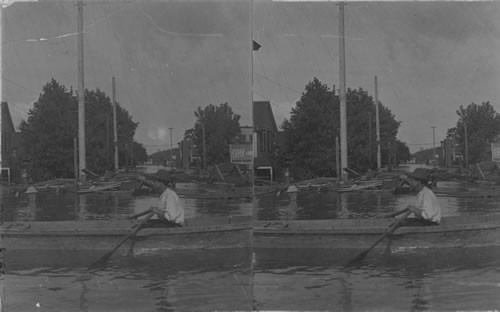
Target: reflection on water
[314, 280]
[460, 279]
[366, 204]
[205, 280]
[184, 281]
[52, 206]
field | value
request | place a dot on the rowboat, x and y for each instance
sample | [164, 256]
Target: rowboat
[215, 192]
[94, 188]
[226, 192]
[357, 234]
[103, 235]
[371, 185]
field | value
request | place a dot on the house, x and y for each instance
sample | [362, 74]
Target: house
[451, 154]
[187, 155]
[246, 136]
[266, 137]
[8, 157]
[263, 135]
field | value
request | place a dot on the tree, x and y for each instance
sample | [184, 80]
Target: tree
[48, 133]
[221, 128]
[483, 126]
[360, 119]
[310, 134]
[402, 151]
[139, 152]
[426, 156]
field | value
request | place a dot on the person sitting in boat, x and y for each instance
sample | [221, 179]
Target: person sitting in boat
[426, 209]
[430, 174]
[170, 209]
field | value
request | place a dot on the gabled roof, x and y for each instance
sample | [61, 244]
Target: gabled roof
[6, 120]
[263, 117]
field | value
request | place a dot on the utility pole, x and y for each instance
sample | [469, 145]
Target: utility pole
[342, 95]
[131, 146]
[466, 144]
[75, 158]
[204, 150]
[1, 73]
[126, 156]
[171, 158]
[81, 97]
[107, 140]
[115, 126]
[434, 145]
[337, 158]
[254, 141]
[370, 144]
[377, 122]
[1, 99]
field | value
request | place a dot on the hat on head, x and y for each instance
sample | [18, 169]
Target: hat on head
[420, 174]
[163, 176]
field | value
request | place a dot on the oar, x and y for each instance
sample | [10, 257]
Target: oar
[278, 193]
[137, 187]
[396, 213]
[131, 234]
[140, 214]
[389, 232]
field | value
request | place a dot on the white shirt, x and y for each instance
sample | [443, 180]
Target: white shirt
[428, 203]
[171, 205]
[292, 188]
[31, 189]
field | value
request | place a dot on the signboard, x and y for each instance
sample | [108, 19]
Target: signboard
[241, 153]
[495, 152]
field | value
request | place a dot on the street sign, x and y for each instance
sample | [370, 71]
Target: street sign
[241, 153]
[495, 152]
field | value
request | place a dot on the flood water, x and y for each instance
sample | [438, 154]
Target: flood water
[366, 204]
[184, 281]
[466, 279]
[313, 279]
[205, 280]
[52, 206]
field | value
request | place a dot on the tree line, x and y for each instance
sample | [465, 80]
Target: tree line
[309, 135]
[314, 126]
[478, 126]
[47, 135]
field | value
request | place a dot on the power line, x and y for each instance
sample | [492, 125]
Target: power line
[173, 33]
[278, 83]
[18, 85]
[64, 35]
[416, 144]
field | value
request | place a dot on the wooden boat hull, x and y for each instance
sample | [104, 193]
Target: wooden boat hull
[174, 260]
[454, 232]
[445, 258]
[105, 235]
[225, 192]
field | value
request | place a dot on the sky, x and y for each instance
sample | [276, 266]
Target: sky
[429, 57]
[170, 57]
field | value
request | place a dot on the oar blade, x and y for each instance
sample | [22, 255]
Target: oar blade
[362, 255]
[100, 262]
[136, 229]
[106, 256]
[357, 259]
